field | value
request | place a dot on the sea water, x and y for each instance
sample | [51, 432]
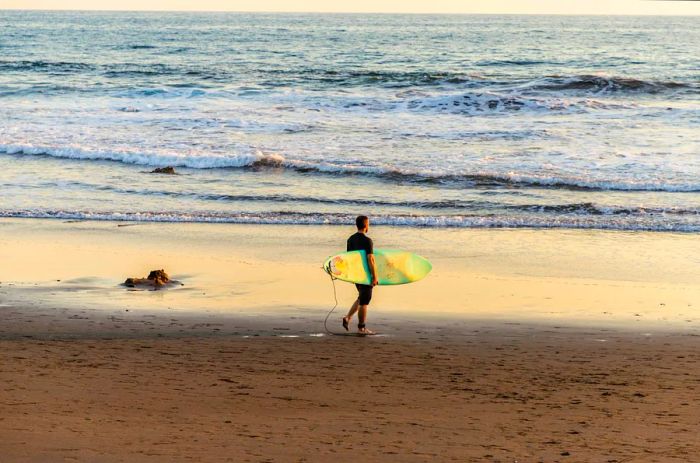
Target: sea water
[415, 120]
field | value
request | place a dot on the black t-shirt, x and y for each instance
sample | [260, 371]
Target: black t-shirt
[360, 242]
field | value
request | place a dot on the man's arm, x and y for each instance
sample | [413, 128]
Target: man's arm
[372, 269]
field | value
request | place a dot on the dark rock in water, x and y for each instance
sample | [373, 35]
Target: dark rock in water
[164, 170]
[156, 279]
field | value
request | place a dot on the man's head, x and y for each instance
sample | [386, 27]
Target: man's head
[362, 222]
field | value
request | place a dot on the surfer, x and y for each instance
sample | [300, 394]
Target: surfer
[361, 242]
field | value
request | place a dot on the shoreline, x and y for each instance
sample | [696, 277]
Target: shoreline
[408, 221]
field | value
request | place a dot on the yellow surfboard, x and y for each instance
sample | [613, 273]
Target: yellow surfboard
[394, 267]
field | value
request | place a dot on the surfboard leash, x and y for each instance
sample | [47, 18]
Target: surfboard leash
[335, 296]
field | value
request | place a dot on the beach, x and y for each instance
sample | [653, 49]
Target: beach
[472, 364]
[498, 394]
[545, 165]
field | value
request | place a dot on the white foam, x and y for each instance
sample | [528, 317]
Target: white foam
[479, 103]
[657, 223]
[245, 158]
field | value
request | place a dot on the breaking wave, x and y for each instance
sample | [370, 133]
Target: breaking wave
[399, 220]
[601, 84]
[254, 159]
[476, 103]
[223, 73]
[251, 158]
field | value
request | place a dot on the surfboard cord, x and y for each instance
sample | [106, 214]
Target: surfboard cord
[335, 296]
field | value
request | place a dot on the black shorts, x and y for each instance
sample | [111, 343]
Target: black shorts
[365, 294]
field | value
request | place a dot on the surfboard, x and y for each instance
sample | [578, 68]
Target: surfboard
[394, 267]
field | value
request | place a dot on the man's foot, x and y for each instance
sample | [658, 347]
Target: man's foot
[346, 322]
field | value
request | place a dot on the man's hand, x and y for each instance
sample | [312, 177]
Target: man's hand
[373, 269]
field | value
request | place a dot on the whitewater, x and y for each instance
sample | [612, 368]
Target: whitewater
[416, 120]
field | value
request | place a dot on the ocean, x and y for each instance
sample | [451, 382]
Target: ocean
[414, 120]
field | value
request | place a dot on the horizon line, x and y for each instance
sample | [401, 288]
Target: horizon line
[82, 10]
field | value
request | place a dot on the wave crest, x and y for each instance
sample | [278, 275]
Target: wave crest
[246, 158]
[398, 220]
[602, 84]
[255, 159]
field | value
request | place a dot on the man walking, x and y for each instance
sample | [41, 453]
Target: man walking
[361, 242]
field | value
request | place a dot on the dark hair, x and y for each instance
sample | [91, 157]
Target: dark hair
[361, 221]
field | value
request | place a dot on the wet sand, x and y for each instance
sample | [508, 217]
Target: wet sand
[521, 346]
[474, 392]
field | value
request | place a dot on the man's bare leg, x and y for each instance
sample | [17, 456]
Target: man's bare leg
[362, 316]
[351, 312]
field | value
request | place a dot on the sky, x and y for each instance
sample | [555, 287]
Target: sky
[378, 6]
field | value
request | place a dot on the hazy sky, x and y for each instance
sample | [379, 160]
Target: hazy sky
[384, 6]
